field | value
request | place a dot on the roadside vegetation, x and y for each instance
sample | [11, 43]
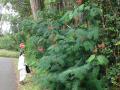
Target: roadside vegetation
[71, 44]
[7, 42]
[29, 85]
[8, 53]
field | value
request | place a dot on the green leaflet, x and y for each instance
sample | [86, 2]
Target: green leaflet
[91, 58]
[50, 1]
[78, 72]
[118, 43]
[102, 60]
[69, 15]
[88, 45]
[95, 11]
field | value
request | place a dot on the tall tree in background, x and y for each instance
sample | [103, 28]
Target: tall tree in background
[35, 6]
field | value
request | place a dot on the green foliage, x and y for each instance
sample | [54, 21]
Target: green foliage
[50, 1]
[91, 58]
[26, 25]
[69, 56]
[102, 60]
[113, 75]
[6, 42]
[63, 63]
[8, 53]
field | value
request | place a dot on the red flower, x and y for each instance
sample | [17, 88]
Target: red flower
[50, 28]
[41, 49]
[79, 1]
[22, 45]
[102, 45]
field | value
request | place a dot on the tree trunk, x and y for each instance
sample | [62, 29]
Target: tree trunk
[35, 6]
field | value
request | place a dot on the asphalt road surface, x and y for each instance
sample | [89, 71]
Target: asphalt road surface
[7, 75]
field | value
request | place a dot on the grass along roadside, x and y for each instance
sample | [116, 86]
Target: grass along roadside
[29, 85]
[7, 53]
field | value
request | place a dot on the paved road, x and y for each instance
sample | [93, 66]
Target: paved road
[7, 75]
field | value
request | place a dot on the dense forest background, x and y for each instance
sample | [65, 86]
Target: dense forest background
[71, 44]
